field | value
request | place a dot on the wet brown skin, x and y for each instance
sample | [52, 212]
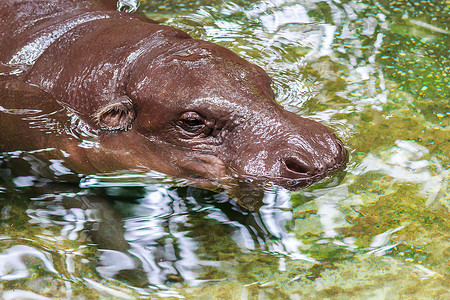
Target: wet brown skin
[127, 94]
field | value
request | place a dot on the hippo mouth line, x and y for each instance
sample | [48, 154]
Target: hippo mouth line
[263, 181]
[292, 184]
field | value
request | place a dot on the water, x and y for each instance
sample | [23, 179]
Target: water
[376, 72]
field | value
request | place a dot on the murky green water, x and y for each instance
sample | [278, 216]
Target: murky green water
[377, 72]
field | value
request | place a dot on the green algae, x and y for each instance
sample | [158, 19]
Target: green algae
[380, 230]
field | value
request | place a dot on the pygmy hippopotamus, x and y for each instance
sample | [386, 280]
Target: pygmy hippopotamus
[107, 91]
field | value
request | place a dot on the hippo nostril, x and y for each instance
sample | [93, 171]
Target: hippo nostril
[295, 166]
[320, 170]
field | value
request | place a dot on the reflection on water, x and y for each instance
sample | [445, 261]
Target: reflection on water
[150, 238]
[376, 72]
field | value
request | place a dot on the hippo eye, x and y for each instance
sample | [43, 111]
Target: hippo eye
[191, 122]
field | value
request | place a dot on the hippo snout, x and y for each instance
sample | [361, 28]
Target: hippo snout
[296, 166]
[301, 155]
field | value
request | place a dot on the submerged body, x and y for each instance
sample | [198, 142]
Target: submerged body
[107, 91]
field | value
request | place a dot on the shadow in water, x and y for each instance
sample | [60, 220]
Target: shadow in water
[169, 235]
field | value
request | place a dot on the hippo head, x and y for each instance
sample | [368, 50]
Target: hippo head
[211, 117]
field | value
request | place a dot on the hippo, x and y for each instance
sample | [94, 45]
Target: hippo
[105, 91]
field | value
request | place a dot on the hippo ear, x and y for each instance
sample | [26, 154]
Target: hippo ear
[116, 116]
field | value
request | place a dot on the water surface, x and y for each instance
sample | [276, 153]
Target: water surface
[376, 72]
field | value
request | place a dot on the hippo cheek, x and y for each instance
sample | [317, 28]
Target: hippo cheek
[203, 170]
